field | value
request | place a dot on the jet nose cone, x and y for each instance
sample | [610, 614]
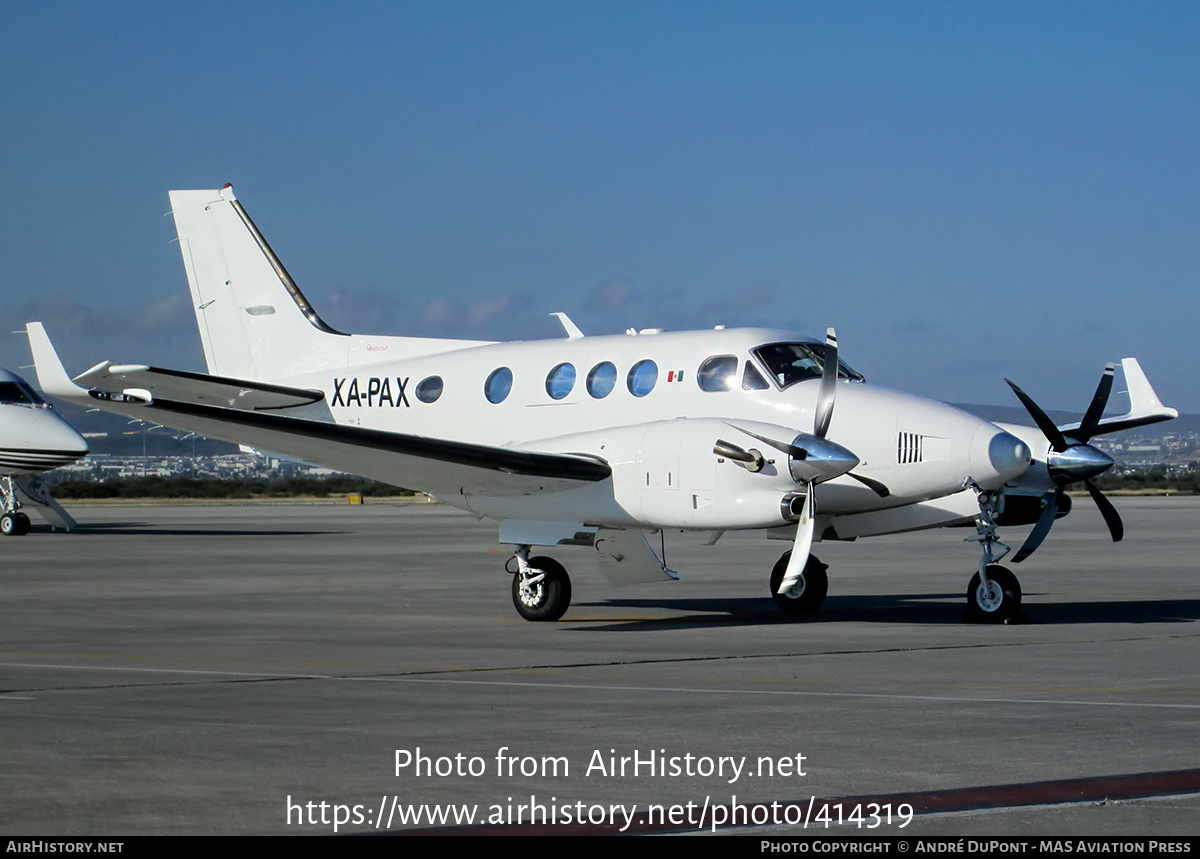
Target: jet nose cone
[1079, 462]
[62, 437]
[997, 457]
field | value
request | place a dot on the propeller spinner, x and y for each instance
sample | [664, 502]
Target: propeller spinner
[1071, 460]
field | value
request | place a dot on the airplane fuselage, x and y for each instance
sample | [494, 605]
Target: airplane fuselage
[652, 405]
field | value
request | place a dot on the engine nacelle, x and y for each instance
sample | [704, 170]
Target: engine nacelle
[666, 473]
[1027, 509]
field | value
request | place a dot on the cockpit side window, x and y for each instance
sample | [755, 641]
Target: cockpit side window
[718, 373]
[794, 362]
[752, 380]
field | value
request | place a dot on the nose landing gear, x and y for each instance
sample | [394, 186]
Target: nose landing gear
[994, 594]
[13, 523]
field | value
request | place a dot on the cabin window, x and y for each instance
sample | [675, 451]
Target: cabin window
[428, 390]
[718, 373]
[642, 377]
[498, 385]
[752, 380]
[602, 379]
[560, 381]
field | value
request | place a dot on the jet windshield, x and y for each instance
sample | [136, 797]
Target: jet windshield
[794, 362]
[15, 392]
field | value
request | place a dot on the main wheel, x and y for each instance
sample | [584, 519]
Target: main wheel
[549, 598]
[23, 524]
[808, 593]
[999, 601]
[10, 525]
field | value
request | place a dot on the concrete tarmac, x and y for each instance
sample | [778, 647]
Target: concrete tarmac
[225, 669]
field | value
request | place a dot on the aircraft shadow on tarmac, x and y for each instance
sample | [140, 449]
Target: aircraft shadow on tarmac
[941, 608]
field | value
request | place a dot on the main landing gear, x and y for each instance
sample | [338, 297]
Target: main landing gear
[541, 588]
[808, 593]
[13, 523]
[994, 594]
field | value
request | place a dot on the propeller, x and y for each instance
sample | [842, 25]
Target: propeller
[812, 459]
[1071, 460]
[824, 413]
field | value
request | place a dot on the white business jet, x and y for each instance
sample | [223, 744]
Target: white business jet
[592, 441]
[33, 439]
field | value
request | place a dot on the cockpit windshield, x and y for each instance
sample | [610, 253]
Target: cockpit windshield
[15, 392]
[794, 362]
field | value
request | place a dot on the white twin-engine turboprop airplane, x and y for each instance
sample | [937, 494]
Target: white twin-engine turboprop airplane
[593, 440]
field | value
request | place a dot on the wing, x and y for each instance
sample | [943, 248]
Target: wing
[431, 465]
[266, 417]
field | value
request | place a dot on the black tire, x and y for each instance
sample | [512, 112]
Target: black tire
[1002, 600]
[23, 524]
[808, 594]
[549, 598]
[10, 525]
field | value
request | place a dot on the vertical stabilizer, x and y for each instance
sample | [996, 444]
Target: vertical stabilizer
[254, 322]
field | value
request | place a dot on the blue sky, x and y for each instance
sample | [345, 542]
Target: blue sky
[967, 191]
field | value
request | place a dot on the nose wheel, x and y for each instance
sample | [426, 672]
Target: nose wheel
[807, 594]
[996, 599]
[13, 523]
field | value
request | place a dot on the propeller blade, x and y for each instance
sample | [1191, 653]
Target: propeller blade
[877, 487]
[1087, 428]
[1049, 430]
[828, 386]
[1049, 513]
[803, 545]
[1111, 517]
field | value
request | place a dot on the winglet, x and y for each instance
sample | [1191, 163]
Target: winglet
[51, 375]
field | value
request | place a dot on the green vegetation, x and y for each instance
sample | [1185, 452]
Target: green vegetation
[213, 487]
[1183, 482]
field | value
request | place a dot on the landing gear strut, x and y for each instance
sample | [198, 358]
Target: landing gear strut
[808, 593]
[13, 523]
[541, 588]
[994, 594]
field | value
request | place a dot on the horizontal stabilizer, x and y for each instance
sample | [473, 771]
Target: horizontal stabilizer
[1144, 405]
[181, 385]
